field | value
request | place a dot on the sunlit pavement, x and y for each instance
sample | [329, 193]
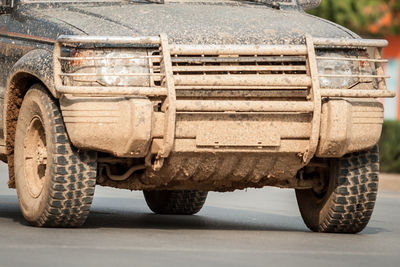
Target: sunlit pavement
[244, 228]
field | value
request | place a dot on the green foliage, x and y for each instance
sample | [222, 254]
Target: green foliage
[366, 17]
[390, 147]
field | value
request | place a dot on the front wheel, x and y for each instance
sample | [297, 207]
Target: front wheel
[55, 182]
[346, 203]
[177, 202]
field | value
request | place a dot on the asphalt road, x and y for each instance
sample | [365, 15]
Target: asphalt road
[244, 228]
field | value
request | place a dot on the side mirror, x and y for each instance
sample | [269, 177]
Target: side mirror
[6, 6]
[309, 4]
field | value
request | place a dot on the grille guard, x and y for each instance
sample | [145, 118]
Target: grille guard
[170, 83]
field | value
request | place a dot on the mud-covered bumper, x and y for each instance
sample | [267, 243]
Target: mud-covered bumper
[129, 127]
[228, 99]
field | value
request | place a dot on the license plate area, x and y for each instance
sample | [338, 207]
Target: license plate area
[237, 134]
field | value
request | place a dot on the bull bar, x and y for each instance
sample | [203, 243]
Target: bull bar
[170, 83]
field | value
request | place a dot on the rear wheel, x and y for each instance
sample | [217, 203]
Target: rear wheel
[55, 182]
[179, 202]
[346, 202]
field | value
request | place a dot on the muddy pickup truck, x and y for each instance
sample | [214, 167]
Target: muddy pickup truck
[178, 98]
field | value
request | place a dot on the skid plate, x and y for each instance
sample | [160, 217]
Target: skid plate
[237, 134]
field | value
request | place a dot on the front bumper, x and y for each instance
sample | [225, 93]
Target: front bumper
[223, 106]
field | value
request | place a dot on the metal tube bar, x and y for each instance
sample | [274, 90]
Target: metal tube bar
[235, 87]
[352, 76]
[237, 59]
[169, 105]
[108, 39]
[102, 58]
[356, 93]
[112, 90]
[106, 64]
[57, 65]
[109, 74]
[354, 59]
[379, 68]
[238, 50]
[244, 106]
[350, 42]
[315, 97]
[239, 68]
[243, 80]
[242, 94]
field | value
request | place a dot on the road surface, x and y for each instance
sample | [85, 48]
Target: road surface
[244, 228]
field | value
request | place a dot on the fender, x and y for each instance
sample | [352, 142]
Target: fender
[37, 63]
[34, 67]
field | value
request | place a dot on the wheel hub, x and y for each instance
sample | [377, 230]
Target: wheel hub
[35, 156]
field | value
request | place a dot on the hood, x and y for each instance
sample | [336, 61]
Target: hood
[197, 23]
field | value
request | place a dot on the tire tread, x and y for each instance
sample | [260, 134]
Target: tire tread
[355, 193]
[69, 198]
[178, 202]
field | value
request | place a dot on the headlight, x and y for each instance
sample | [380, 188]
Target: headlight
[343, 70]
[109, 67]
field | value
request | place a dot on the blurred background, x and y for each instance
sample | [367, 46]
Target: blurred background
[376, 19]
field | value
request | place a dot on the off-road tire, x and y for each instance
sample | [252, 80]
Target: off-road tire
[65, 183]
[177, 202]
[350, 198]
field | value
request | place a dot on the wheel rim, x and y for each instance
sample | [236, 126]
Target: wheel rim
[35, 157]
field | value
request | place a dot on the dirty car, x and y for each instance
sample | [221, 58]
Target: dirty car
[178, 98]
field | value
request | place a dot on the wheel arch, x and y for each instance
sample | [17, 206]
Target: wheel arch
[34, 67]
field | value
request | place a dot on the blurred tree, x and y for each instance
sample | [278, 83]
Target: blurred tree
[366, 17]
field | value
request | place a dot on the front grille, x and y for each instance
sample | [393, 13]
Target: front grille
[238, 65]
[240, 75]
